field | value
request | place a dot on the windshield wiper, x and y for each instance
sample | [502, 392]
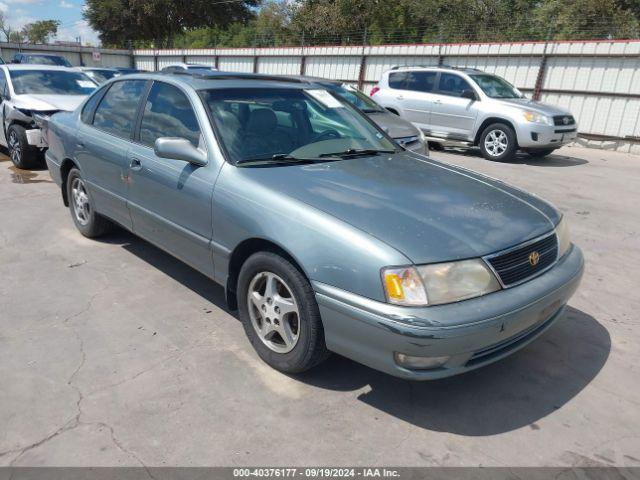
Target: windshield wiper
[283, 158]
[355, 152]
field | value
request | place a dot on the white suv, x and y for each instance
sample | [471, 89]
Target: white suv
[468, 105]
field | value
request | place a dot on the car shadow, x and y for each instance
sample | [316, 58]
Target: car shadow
[553, 160]
[512, 393]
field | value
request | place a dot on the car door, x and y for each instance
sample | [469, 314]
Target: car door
[416, 97]
[453, 116]
[171, 200]
[103, 140]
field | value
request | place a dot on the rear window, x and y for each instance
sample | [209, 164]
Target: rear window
[46, 60]
[414, 81]
[117, 110]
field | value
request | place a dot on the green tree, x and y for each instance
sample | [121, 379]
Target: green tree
[161, 21]
[40, 31]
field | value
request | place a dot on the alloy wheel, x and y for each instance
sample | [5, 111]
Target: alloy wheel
[274, 312]
[81, 205]
[496, 143]
[15, 150]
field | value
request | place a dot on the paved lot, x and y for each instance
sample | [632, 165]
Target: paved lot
[114, 353]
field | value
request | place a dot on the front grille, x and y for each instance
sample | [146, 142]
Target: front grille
[515, 265]
[559, 120]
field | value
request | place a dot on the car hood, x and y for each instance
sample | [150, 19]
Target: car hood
[528, 104]
[48, 102]
[430, 212]
[395, 126]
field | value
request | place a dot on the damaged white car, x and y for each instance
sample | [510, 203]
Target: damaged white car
[31, 91]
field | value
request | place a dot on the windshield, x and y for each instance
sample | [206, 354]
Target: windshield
[258, 124]
[496, 87]
[51, 82]
[47, 60]
[356, 97]
[101, 76]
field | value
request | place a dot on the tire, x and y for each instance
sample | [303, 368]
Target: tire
[290, 291]
[90, 223]
[540, 153]
[22, 154]
[498, 143]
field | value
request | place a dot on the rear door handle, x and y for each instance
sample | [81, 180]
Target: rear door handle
[399, 97]
[135, 164]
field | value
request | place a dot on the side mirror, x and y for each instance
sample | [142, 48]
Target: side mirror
[469, 94]
[175, 148]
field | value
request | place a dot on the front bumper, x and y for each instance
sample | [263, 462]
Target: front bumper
[473, 333]
[533, 135]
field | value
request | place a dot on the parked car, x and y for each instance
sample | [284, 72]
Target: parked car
[100, 74]
[477, 108]
[326, 239]
[41, 59]
[402, 131]
[29, 91]
[187, 67]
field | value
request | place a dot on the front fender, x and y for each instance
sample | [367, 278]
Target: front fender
[327, 249]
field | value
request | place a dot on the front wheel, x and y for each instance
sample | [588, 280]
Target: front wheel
[280, 315]
[498, 143]
[21, 153]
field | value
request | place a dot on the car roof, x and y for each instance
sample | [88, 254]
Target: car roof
[38, 54]
[97, 68]
[35, 66]
[216, 79]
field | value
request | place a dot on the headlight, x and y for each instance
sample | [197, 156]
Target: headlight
[439, 283]
[564, 239]
[536, 117]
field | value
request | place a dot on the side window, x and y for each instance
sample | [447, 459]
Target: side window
[117, 110]
[397, 80]
[87, 111]
[453, 85]
[168, 113]
[421, 81]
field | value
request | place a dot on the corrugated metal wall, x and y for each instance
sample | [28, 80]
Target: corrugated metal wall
[108, 58]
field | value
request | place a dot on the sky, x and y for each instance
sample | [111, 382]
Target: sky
[68, 12]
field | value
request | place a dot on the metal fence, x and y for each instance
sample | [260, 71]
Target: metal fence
[599, 81]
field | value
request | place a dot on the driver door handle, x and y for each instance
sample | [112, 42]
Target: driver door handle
[135, 164]
[399, 97]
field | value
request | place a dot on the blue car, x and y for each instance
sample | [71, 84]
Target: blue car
[326, 234]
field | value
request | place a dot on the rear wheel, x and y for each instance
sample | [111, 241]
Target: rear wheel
[90, 223]
[280, 315]
[498, 143]
[21, 153]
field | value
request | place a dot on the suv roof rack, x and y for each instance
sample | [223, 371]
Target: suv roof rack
[452, 67]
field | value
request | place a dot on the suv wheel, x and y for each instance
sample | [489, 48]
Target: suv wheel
[21, 153]
[498, 143]
[90, 223]
[280, 315]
